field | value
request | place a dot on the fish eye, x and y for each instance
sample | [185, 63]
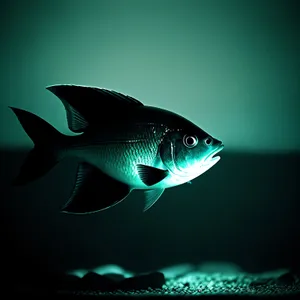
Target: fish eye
[190, 141]
[208, 141]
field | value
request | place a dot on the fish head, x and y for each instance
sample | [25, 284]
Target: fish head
[189, 152]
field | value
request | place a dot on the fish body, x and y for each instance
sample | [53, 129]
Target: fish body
[122, 146]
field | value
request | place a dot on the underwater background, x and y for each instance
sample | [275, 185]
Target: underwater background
[232, 67]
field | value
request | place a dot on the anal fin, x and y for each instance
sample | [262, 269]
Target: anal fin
[94, 191]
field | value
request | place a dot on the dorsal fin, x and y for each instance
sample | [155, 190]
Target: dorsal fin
[76, 122]
[92, 102]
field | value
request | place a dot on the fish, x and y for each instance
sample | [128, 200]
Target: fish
[121, 145]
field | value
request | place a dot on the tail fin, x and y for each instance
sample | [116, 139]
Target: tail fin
[47, 147]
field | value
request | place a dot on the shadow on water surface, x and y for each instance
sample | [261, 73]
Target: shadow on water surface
[245, 211]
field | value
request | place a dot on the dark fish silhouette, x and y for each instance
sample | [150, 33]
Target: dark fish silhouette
[123, 145]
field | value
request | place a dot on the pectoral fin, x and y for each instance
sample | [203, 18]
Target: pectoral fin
[94, 191]
[151, 197]
[150, 175]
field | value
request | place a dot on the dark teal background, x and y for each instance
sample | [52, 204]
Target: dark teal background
[232, 67]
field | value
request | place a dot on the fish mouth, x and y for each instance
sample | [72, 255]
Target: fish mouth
[211, 157]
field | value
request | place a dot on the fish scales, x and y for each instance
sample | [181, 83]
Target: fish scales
[118, 156]
[122, 145]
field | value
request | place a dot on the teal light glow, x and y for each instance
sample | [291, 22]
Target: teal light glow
[102, 270]
[231, 67]
[210, 278]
